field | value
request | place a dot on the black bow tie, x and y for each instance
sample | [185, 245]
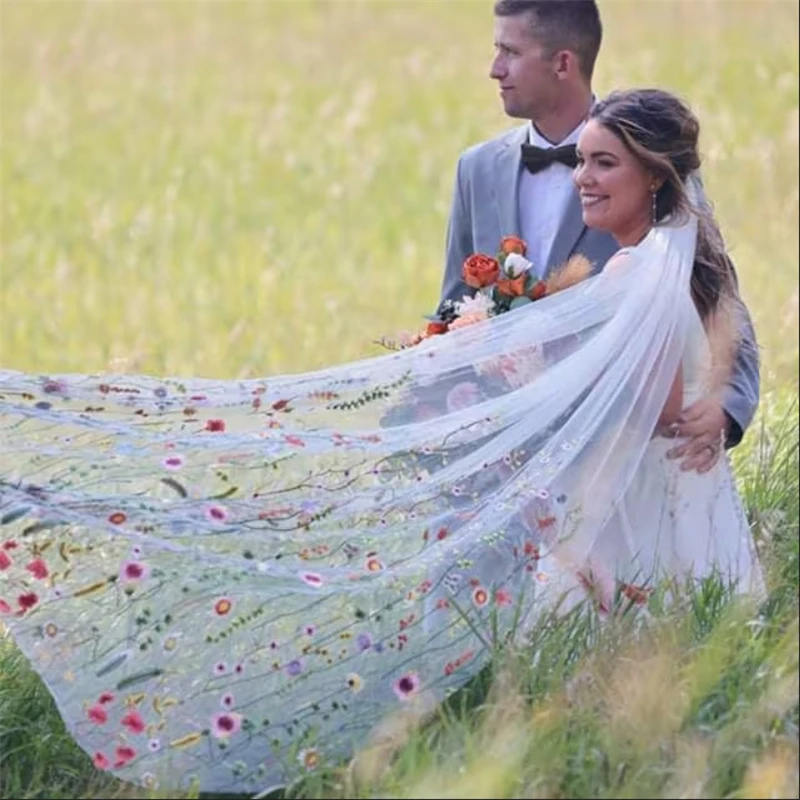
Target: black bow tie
[539, 158]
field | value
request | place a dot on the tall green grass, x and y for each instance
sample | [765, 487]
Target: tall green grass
[240, 188]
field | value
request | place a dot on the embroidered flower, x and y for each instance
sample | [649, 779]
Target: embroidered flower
[215, 425]
[309, 758]
[312, 579]
[374, 565]
[124, 754]
[5, 561]
[355, 682]
[97, 714]
[503, 597]
[5, 608]
[406, 686]
[363, 641]
[105, 698]
[227, 701]
[38, 568]
[117, 518]
[480, 597]
[133, 722]
[132, 571]
[223, 606]
[220, 668]
[50, 630]
[28, 600]
[154, 745]
[100, 761]
[173, 462]
[225, 724]
[294, 667]
[217, 513]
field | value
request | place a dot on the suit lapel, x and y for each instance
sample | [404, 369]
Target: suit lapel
[568, 233]
[505, 186]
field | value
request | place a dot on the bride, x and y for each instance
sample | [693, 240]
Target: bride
[231, 583]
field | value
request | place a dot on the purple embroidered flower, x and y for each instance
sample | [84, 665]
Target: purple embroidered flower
[406, 685]
[364, 641]
[294, 667]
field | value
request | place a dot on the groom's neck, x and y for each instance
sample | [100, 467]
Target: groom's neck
[564, 116]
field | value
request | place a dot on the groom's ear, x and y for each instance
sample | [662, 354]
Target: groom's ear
[566, 64]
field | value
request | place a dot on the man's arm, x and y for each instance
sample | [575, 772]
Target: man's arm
[704, 420]
[459, 241]
[740, 399]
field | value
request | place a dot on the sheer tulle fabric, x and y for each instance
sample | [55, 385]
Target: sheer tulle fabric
[232, 582]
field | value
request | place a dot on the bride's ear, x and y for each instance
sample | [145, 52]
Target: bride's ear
[656, 184]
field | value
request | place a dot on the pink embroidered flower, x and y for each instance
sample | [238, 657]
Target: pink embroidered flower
[220, 668]
[100, 761]
[173, 462]
[312, 579]
[227, 701]
[5, 561]
[105, 698]
[503, 597]
[296, 441]
[38, 568]
[132, 571]
[5, 608]
[10, 545]
[215, 425]
[124, 754]
[225, 724]
[98, 715]
[217, 513]
[28, 600]
[406, 686]
[133, 722]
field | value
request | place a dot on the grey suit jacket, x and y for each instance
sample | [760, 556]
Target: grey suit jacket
[485, 209]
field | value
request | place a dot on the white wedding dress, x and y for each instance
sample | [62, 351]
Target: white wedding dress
[676, 523]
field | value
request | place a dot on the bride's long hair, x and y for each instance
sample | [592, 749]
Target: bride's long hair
[662, 133]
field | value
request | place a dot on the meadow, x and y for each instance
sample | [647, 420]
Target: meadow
[246, 188]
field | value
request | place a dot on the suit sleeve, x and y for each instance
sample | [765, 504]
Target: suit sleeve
[741, 395]
[459, 240]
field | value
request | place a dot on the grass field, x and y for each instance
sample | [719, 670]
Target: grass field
[242, 188]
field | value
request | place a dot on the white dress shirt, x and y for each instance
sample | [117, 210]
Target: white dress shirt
[543, 199]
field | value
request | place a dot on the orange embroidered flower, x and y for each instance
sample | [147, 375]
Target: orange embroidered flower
[480, 270]
[513, 244]
[636, 594]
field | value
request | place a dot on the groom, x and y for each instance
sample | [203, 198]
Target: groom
[520, 183]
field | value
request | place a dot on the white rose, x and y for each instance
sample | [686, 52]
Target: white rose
[515, 265]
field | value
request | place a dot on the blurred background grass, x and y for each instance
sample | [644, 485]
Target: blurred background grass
[240, 188]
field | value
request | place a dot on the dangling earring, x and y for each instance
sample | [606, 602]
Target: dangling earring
[654, 205]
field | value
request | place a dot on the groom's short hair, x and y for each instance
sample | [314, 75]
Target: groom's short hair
[561, 25]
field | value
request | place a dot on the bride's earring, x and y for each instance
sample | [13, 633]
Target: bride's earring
[653, 195]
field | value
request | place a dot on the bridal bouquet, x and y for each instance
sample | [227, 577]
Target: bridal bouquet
[502, 283]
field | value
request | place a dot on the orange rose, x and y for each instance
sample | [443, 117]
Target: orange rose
[480, 270]
[512, 288]
[539, 289]
[513, 244]
[434, 328]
